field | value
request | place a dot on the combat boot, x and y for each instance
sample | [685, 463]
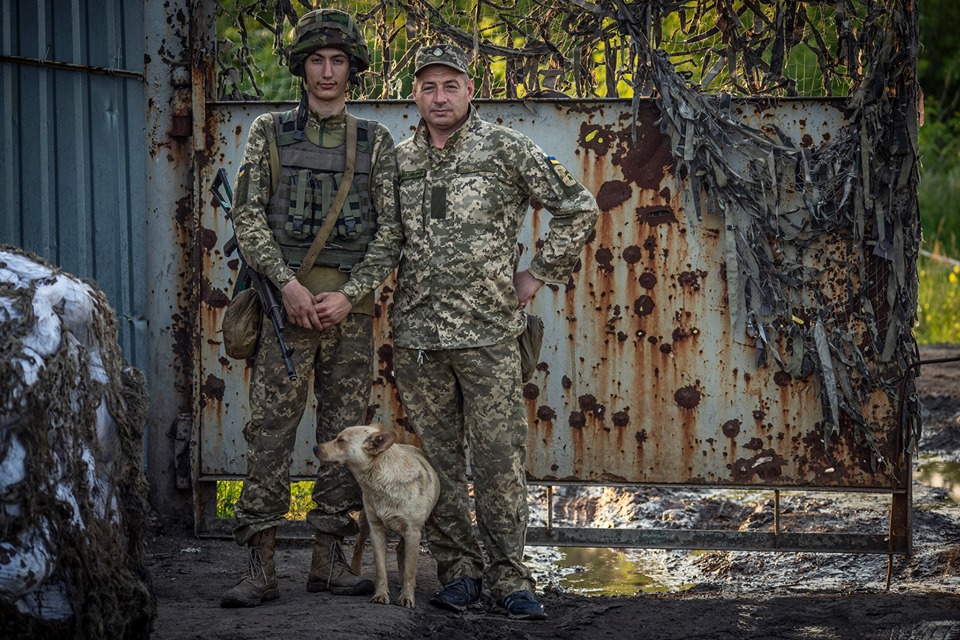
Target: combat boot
[260, 583]
[329, 570]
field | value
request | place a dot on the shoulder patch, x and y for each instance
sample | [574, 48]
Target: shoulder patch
[565, 177]
[243, 185]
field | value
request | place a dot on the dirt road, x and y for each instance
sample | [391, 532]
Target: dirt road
[708, 595]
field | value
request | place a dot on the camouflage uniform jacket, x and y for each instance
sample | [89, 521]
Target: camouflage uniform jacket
[461, 209]
[255, 185]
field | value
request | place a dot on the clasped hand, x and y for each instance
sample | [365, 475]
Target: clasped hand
[314, 311]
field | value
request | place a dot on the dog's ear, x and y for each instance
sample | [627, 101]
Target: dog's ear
[379, 442]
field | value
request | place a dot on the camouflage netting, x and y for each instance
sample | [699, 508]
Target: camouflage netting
[72, 492]
[696, 58]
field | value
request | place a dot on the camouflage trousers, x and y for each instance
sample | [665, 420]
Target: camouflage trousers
[341, 360]
[472, 397]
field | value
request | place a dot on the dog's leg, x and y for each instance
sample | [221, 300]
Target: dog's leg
[408, 570]
[356, 560]
[378, 539]
[401, 545]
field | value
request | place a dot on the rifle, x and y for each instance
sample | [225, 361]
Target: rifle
[248, 276]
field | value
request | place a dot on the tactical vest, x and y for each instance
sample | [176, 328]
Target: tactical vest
[309, 178]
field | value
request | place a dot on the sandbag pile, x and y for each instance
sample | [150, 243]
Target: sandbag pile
[72, 493]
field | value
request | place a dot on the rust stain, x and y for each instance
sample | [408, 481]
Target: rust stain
[612, 194]
[654, 215]
[604, 258]
[208, 239]
[766, 466]
[782, 379]
[213, 388]
[546, 414]
[385, 358]
[621, 418]
[632, 254]
[212, 296]
[647, 280]
[730, 428]
[691, 279]
[589, 406]
[577, 420]
[646, 161]
[183, 213]
[643, 306]
[595, 138]
[531, 391]
[687, 397]
[650, 246]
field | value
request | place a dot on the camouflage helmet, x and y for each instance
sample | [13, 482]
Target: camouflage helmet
[327, 28]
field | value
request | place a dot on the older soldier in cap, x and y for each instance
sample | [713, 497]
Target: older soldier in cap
[292, 168]
[465, 187]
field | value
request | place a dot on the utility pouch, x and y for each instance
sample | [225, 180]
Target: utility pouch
[241, 324]
[530, 342]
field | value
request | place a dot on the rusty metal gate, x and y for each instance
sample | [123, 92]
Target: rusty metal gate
[643, 379]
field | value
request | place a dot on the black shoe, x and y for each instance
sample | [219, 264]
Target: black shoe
[458, 594]
[521, 605]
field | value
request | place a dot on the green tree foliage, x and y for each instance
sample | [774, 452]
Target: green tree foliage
[939, 74]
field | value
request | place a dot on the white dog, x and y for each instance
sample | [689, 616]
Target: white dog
[400, 489]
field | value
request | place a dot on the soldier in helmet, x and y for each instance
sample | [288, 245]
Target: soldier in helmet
[292, 169]
[465, 187]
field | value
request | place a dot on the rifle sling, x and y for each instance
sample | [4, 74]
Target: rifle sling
[331, 220]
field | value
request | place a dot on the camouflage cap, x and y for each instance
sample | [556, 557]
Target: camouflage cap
[449, 55]
[327, 28]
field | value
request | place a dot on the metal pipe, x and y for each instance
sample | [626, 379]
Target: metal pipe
[70, 66]
[890, 543]
[776, 516]
[549, 508]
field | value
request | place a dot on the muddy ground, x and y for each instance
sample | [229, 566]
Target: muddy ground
[669, 594]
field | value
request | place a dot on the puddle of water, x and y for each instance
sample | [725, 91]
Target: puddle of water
[611, 572]
[940, 474]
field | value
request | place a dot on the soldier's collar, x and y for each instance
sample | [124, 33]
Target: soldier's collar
[337, 118]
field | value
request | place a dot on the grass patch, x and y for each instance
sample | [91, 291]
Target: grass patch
[938, 299]
[938, 302]
[938, 196]
[301, 499]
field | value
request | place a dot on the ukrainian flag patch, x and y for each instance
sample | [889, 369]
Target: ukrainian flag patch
[561, 171]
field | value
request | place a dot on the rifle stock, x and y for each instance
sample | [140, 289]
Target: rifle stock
[264, 288]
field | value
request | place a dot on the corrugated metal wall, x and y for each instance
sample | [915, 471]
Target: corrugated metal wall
[73, 147]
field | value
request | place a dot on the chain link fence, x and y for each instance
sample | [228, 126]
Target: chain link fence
[573, 47]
